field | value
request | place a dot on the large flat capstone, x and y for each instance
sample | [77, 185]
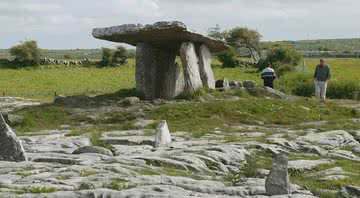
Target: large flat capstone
[164, 34]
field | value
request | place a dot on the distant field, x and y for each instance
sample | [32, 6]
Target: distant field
[43, 83]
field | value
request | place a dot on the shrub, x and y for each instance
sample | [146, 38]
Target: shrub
[26, 54]
[120, 56]
[106, 57]
[67, 56]
[283, 59]
[344, 90]
[228, 58]
[303, 85]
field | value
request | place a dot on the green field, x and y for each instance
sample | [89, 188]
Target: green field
[42, 83]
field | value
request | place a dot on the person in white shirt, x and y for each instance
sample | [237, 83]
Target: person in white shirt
[268, 75]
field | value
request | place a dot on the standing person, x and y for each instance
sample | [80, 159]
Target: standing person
[268, 75]
[322, 75]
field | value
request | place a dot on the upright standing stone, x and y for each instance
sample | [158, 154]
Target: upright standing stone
[145, 73]
[206, 73]
[277, 183]
[157, 74]
[174, 83]
[162, 136]
[11, 148]
[190, 62]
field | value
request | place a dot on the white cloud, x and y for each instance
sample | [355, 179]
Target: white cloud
[68, 24]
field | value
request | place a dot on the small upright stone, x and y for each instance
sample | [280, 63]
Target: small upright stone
[11, 148]
[277, 183]
[162, 136]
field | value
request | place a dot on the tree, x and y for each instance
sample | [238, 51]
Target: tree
[106, 57]
[215, 32]
[282, 58]
[120, 56]
[228, 58]
[241, 37]
[27, 53]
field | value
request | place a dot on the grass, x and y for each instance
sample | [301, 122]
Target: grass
[39, 190]
[202, 118]
[119, 184]
[312, 183]
[41, 84]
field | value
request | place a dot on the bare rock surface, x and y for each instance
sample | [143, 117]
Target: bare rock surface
[8, 104]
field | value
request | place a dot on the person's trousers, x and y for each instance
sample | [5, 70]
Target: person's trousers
[320, 89]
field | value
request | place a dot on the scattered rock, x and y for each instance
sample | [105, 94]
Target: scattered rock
[235, 84]
[13, 119]
[332, 139]
[93, 149]
[356, 150]
[349, 192]
[277, 183]
[130, 101]
[222, 84]
[307, 164]
[162, 136]
[249, 84]
[344, 154]
[276, 93]
[11, 148]
[140, 123]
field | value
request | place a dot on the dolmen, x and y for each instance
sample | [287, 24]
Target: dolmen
[158, 75]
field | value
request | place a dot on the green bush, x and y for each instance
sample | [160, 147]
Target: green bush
[120, 56]
[303, 85]
[228, 58]
[106, 57]
[26, 54]
[283, 59]
[344, 90]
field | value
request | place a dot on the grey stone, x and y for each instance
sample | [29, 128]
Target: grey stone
[190, 62]
[344, 154]
[11, 148]
[9, 104]
[157, 74]
[276, 93]
[249, 84]
[162, 136]
[222, 84]
[130, 101]
[206, 73]
[349, 192]
[164, 34]
[93, 149]
[307, 164]
[13, 119]
[331, 139]
[277, 183]
[235, 84]
[356, 149]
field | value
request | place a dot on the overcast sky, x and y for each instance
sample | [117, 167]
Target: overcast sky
[59, 24]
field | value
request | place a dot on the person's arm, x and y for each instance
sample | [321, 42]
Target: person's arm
[328, 74]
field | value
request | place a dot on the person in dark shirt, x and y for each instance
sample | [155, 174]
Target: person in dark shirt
[268, 75]
[322, 75]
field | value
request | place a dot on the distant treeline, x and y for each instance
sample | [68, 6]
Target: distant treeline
[77, 54]
[338, 45]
